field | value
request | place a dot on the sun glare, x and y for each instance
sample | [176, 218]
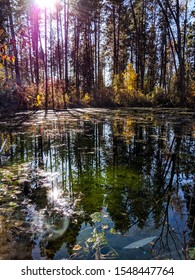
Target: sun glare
[45, 3]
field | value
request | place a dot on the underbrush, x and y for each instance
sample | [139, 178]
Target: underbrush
[29, 97]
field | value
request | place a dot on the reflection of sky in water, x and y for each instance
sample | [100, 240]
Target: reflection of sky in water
[43, 221]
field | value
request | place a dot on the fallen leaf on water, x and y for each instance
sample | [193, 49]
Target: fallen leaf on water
[105, 227]
[77, 248]
[114, 231]
[105, 215]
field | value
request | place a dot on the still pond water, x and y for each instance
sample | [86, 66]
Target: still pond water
[87, 183]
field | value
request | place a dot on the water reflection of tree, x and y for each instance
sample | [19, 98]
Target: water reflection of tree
[189, 193]
[95, 161]
[160, 173]
[163, 184]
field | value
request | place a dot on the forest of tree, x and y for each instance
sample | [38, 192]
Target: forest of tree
[62, 53]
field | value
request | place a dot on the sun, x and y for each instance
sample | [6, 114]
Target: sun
[45, 3]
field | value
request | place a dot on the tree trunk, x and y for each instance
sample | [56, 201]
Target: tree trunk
[17, 69]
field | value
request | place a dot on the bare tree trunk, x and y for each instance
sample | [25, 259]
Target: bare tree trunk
[66, 29]
[176, 37]
[30, 51]
[77, 36]
[17, 69]
[51, 63]
[114, 40]
[45, 61]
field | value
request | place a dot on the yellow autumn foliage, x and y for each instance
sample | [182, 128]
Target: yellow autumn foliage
[38, 100]
[125, 81]
[124, 86]
[86, 99]
[2, 72]
[129, 78]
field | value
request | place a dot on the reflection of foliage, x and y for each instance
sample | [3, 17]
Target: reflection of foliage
[123, 177]
[125, 197]
[128, 131]
[96, 217]
[192, 253]
[92, 192]
[124, 128]
[97, 242]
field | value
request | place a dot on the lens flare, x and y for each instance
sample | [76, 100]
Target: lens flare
[45, 3]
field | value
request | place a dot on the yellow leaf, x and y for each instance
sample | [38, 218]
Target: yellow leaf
[77, 248]
[105, 227]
